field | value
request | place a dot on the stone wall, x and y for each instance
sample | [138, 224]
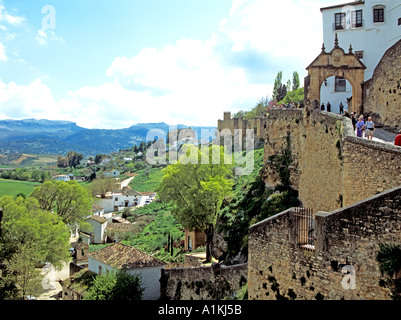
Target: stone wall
[346, 238]
[315, 140]
[382, 93]
[203, 283]
[369, 168]
[256, 124]
[330, 166]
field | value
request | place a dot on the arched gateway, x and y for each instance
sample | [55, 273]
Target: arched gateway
[335, 63]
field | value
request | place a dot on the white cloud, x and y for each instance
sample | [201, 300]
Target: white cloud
[190, 82]
[8, 18]
[3, 56]
[44, 36]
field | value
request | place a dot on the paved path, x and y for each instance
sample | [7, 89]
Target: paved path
[384, 135]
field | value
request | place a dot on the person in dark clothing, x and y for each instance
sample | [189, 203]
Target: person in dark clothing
[328, 107]
[322, 107]
[341, 108]
[353, 120]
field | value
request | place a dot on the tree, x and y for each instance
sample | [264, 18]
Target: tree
[115, 286]
[101, 186]
[29, 236]
[72, 159]
[295, 81]
[197, 190]
[98, 158]
[296, 96]
[277, 85]
[71, 201]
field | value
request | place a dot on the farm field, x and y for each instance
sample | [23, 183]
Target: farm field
[12, 187]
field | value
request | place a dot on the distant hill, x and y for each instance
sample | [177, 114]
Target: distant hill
[58, 137]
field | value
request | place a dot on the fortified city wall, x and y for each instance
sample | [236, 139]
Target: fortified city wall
[335, 171]
[382, 93]
[330, 166]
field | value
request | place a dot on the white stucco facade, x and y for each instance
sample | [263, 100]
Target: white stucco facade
[370, 39]
[150, 277]
[118, 201]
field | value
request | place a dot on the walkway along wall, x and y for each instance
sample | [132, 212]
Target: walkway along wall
[336, 172]
[330, 166]
[346, 239]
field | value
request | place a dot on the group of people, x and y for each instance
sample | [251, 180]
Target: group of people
[328, 107]
[291, 105]
[362, 128]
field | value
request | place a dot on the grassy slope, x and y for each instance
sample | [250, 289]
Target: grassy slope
[12, 188]
[141, 183]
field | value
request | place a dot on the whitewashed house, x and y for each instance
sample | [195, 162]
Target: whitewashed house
[118, 200]
[370, 27]
[109, 174]
[119, 256]
[98, 233]
[62, 177]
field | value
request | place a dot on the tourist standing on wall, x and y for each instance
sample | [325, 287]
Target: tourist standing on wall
[370, 128]
[328, 107]
[353, 119]
[341, 108]
[359, 127]
[397, 141]
[322, 107]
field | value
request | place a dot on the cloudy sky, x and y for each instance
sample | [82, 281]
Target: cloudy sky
[113, 63]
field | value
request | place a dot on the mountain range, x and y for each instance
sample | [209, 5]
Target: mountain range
[59, 137]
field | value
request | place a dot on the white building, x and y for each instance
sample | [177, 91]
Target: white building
[109, 174]
[127, 197]
[119, 256]
[62, 177]
[98, 233]
[371, 27]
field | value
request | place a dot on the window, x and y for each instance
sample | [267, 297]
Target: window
[356, 19]
[340, 85]
[339, 21]
[359, 54]
[399, 21]
[378, 15]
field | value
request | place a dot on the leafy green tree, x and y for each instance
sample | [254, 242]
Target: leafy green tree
[98, 158]
[196, 189]
[277, 86]
[296, 96]
[29, 236]
[115, 286]
[295, 81]
[72, 159]
[100, 186]
[71, 201]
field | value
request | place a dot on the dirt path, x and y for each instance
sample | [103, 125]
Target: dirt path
[50, 281]
[126, 182]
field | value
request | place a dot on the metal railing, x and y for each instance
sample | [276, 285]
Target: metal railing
[305, 228]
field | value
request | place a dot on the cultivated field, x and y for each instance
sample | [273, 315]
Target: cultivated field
[12, 187]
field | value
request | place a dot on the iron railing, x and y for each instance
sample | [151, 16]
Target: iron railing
[305, 228]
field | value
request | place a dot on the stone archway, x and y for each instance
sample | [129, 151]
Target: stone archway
[335, 63]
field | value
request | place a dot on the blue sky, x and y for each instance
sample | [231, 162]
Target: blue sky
[114, 63]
